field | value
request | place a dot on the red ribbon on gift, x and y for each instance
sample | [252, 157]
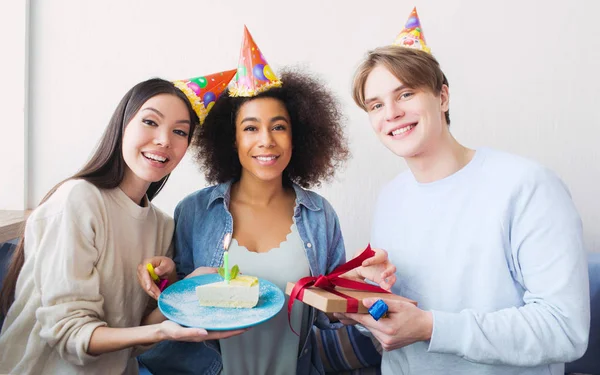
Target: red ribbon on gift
[330, 281]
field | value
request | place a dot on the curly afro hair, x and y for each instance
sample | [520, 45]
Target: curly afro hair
[318, 140]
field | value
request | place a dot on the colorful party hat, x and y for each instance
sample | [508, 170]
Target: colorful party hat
[412, 35]
[202, 92]
[254, 75]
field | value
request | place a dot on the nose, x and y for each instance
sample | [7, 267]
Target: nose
[393, 111]
[163, 138]
[266, 139]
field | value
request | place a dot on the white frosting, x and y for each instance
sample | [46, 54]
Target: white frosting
[220, 294]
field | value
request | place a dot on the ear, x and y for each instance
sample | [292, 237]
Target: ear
[445, 98]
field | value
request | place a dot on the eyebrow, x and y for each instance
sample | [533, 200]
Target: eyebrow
[273, 119]
[154, 110]
[397, 89]
[163, 116]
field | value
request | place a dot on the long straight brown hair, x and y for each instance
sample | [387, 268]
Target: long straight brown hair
[106, 167]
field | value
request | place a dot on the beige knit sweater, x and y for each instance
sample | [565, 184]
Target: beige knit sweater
[82, 250]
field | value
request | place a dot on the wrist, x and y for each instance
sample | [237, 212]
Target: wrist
[427, 326]
[157, 333]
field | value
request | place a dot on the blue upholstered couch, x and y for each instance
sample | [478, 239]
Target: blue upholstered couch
[337, 346]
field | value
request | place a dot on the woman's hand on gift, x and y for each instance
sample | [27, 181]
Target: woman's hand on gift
[404, 324]
[164, 267]
[202, 271]
[377, 269]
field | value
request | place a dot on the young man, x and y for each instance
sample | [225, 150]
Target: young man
[489, 244]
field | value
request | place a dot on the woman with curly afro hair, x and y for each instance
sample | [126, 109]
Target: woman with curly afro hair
[262, 152]
[315, 127]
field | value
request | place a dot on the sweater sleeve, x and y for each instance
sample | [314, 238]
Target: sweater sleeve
[552, 325]
[69, 283]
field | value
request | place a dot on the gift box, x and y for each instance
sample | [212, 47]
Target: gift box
[334, 293]
[329, 302]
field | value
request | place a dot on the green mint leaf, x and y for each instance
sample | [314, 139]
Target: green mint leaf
[222, 272]
[234, 271]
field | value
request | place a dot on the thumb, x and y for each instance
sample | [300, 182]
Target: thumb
[161, 270]
[201, 331]
[367, 262]
[368, 302]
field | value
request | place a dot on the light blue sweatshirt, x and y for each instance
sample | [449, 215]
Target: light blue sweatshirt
[495, 251]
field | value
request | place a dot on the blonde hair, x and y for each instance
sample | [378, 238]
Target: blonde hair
[414, 68]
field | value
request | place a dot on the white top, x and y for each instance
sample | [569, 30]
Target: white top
[82, 249]
[496, 252]
[271, 347]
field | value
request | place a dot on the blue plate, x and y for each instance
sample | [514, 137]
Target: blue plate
[179, 303]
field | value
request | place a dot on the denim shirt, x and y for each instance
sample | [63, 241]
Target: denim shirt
[202, 220]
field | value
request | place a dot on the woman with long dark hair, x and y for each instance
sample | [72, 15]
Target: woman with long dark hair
[71, 299]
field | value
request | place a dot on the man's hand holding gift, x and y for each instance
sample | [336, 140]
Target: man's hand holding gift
[404, 324]
[377, 269]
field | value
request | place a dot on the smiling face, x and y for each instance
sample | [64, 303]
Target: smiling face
[408, 121]
[263, 138]
[155, 140]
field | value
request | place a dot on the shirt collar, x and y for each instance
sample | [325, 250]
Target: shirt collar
[223, 191]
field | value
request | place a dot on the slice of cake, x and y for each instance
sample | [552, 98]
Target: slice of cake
[240, 292]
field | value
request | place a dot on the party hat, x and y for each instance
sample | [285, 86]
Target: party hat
[203, 91]
[412, 35]
[254, 75]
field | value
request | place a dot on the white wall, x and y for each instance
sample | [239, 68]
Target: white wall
[523, 77]
[13, 67]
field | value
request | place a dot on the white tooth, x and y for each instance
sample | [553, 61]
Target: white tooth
[156, 157]
[402, 130]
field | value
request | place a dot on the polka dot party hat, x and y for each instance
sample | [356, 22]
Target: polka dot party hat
[412, 35]
[254, 75]
[203, 91]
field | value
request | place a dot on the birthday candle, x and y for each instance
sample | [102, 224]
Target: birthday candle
[226, 242]
[226, 266]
